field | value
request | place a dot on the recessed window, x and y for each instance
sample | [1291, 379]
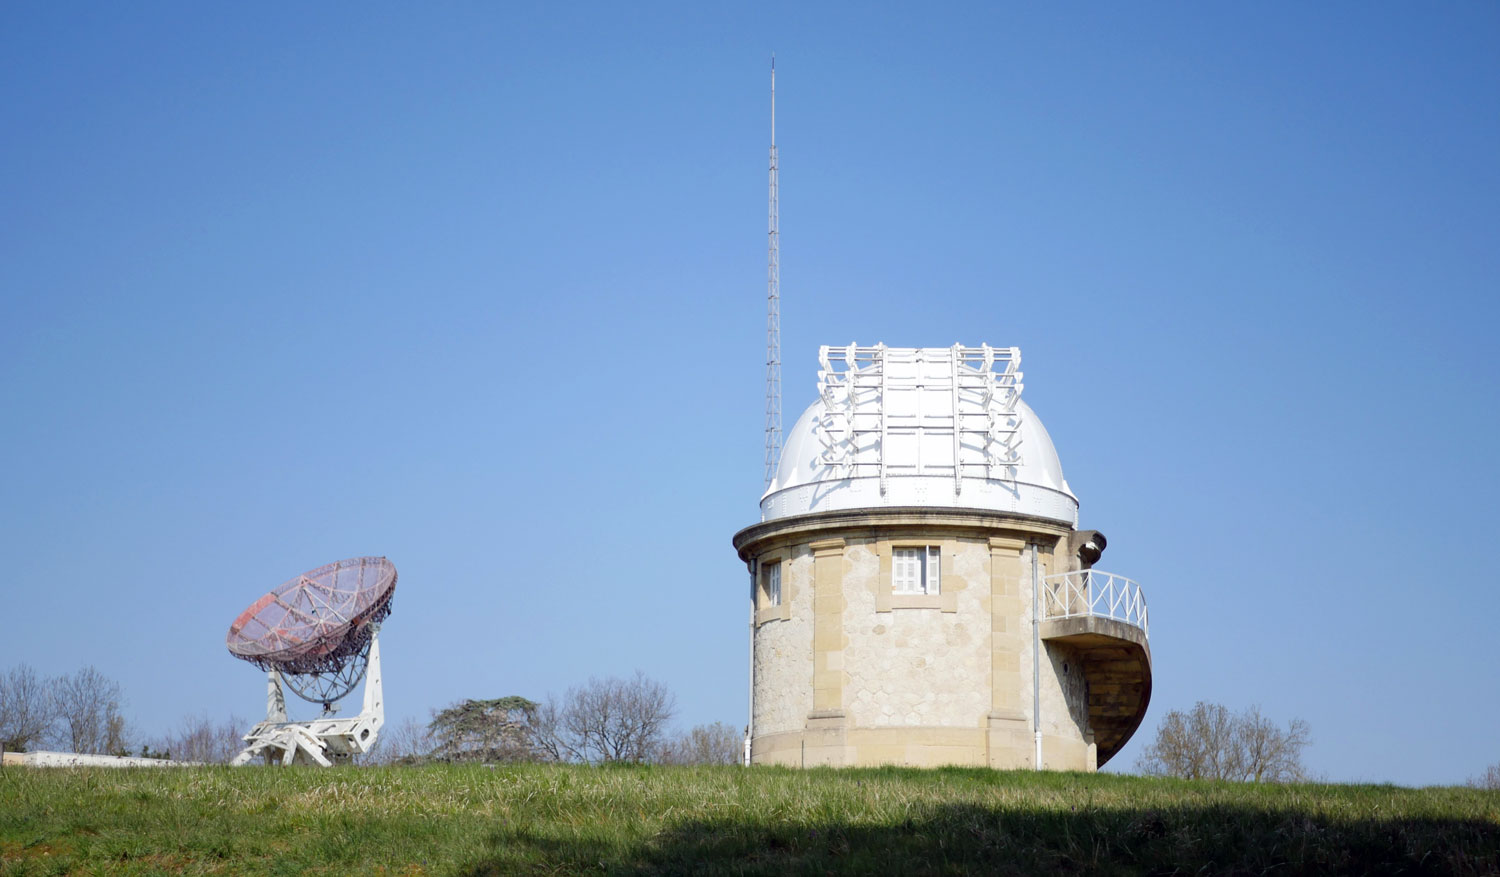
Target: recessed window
[771, 582]
[916, 570]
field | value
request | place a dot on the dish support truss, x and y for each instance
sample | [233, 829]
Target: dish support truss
[325, 741]
[937, 410]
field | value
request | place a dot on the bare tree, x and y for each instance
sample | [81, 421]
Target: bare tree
[26, 709]
[199, 738]
[605, 720]
[616, 719]
[718, 743]
[1272, 754]
[1490, 779]
[547, 734]
[410, 742]
[1210, 742]
[88, 713]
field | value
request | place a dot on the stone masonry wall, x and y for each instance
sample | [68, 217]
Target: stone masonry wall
[918, 666]
[930, 663]
[1065, 705]
[783, 653]
[1064, 697]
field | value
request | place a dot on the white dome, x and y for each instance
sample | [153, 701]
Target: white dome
[919, 427]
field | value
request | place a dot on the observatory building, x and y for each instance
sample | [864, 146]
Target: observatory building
[920, 591]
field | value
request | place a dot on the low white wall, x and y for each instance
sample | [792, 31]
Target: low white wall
[73, 759]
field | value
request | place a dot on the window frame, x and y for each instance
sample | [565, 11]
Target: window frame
[769, 571]
[928, 578]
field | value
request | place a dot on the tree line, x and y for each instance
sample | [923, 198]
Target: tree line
[83, 712]
[1209, 742]
[80, 712]
[606, 720]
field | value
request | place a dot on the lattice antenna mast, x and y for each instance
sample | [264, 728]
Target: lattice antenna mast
[773, 308]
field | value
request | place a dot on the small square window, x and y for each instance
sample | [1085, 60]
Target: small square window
[916, 570]
[771, 582]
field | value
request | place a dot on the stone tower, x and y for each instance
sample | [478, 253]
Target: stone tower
[920, 591]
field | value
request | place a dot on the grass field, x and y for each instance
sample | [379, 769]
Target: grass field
[566, 820]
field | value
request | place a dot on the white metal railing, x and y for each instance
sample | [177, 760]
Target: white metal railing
[1092, 592]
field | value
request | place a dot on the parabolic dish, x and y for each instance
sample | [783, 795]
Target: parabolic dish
[317, 621]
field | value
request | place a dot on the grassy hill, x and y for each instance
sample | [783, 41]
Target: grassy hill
[565, 820]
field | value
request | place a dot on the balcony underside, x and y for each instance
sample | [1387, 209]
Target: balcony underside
[1116, 661]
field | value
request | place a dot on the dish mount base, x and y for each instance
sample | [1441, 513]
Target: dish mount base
[325, 741]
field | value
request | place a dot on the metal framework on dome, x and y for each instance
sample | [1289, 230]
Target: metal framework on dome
[881, 402]
[318, 634]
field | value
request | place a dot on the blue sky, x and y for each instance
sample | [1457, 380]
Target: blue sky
[481, 289]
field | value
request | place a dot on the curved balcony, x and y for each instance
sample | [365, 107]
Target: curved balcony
[1093, 593]
[1103, 618]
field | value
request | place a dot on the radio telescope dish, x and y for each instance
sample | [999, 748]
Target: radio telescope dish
[315, 629]
[318, 633]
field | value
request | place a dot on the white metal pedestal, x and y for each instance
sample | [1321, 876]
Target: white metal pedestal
[324, 741]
